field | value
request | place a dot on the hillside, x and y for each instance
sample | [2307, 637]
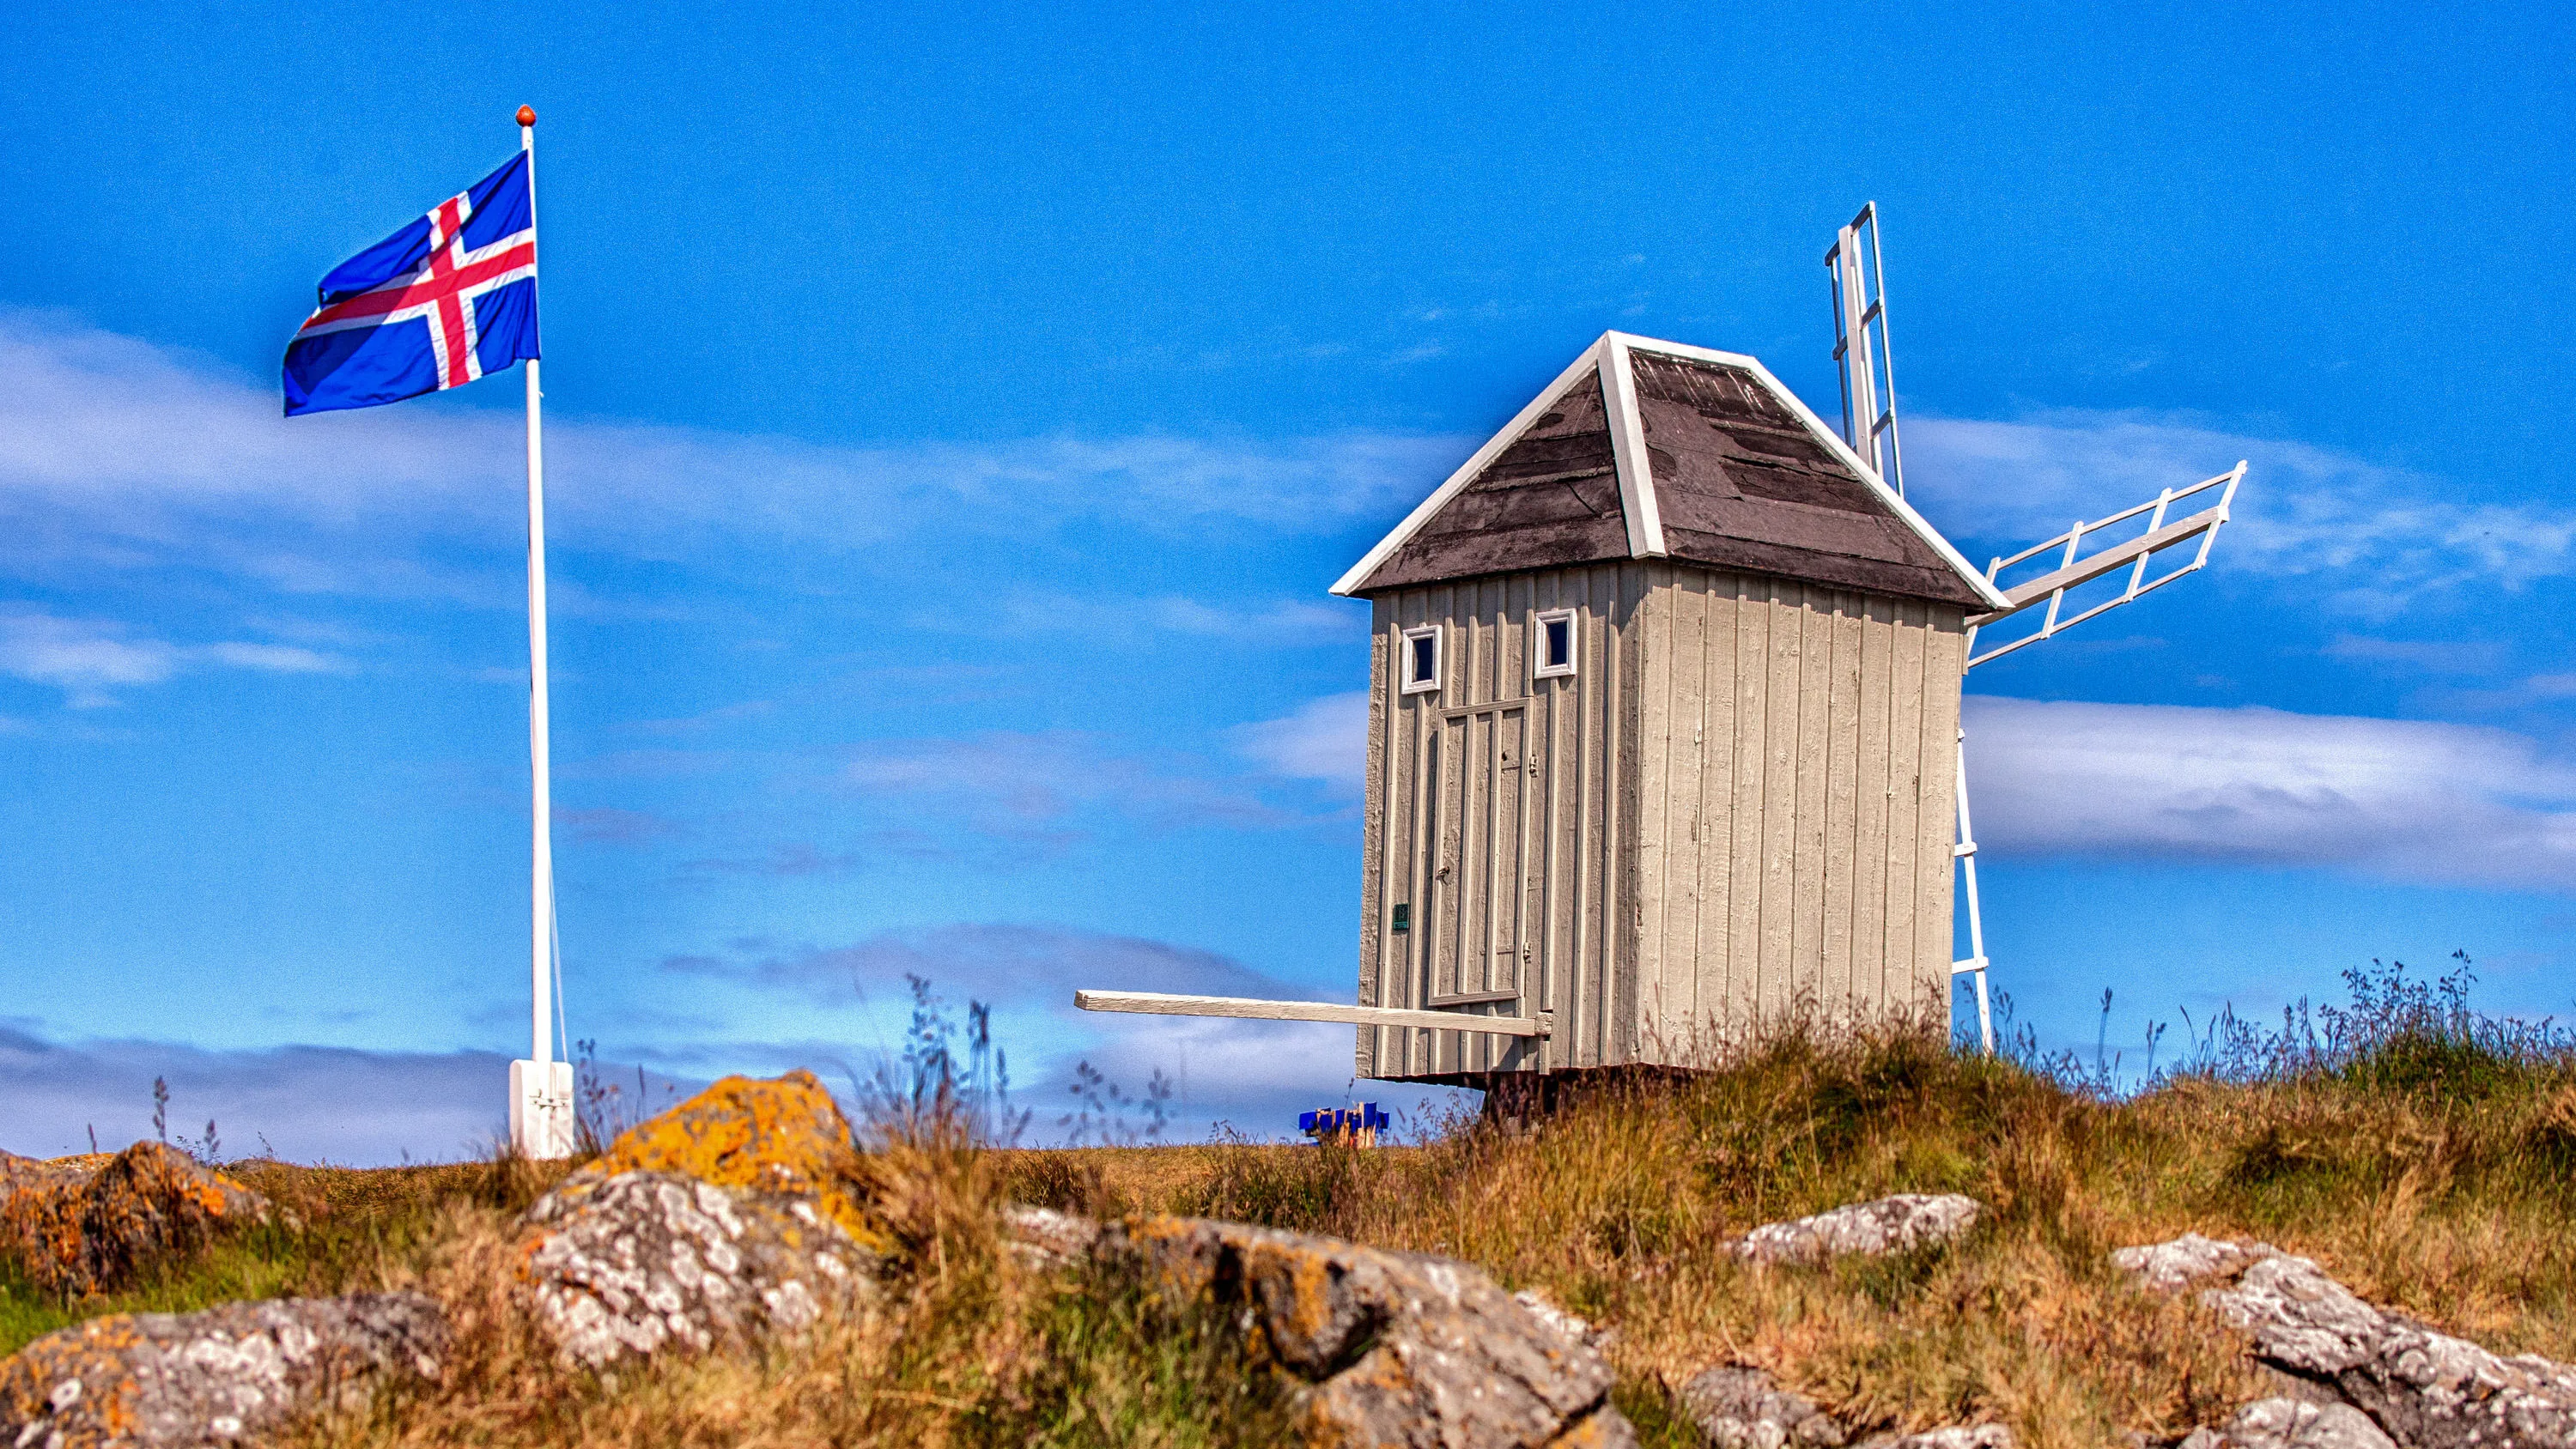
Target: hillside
[2423, 1157]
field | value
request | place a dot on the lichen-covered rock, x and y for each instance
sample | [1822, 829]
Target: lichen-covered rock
[1046, 1238]
[2423, 1389]
[2165, 1267]
[646, 1260]
[1744, 1408]
[2427, 1389]
[1887, 1225]
[78, 1229]
[226, 1376]
[1395, 1349]
[1572, 1325]
[2292, 1424]
[1954, 1436]
[782, 1136]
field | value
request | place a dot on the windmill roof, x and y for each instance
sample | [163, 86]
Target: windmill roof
[1647, 449]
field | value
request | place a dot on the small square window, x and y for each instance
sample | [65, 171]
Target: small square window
[1419, 658]
[1552, 648]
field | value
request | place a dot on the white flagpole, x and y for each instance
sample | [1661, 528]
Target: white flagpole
[540, 1100]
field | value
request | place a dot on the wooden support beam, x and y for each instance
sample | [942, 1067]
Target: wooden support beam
[1156, 1003]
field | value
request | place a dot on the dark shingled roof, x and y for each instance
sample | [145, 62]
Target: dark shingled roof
[1550, 499]
[1741, 481]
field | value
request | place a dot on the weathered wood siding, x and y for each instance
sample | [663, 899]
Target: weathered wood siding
[1795, 793]
[1531, 785]
[1739, 805]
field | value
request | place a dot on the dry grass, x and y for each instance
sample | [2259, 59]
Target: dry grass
[2449, 1195]
[2430, 1163]
[340, 1229]
[970, 1347]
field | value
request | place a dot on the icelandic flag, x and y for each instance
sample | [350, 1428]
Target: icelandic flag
[436, 305]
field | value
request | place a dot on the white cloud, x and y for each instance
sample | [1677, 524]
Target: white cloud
[115, 451]
[86, 658]
[1038, 965]
[2422, 656]
[1254, 1075]
[2405, 800]
[311, 1103]
[1326, 739]
[1012, 782]
[2376, 537]
[1044, 612]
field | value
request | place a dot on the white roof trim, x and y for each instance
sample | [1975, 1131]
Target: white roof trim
[1895, 502]
[1637, 501]
[1467, 471]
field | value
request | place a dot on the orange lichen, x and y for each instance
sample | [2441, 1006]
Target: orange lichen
[99, 1354]
[75, 1228]
[785, 1135]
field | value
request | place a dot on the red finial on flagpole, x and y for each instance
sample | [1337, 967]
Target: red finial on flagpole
[527, 115]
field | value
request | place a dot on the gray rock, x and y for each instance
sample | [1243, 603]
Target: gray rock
[2428, 1390]
[2294, 1424]
[226, 1376]
[75, 1228]
[1047, 1238]
[1385, 1348]
[1888, 1225]
[1744, 1408]
[1573, 1326]
[1954, 1436]
[2165, 1267]
[2418, 1387]
[629, 1264]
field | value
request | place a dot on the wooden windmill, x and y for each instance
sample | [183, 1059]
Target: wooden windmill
[1664, 736]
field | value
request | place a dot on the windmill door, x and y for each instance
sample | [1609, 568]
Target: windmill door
[1481, 839]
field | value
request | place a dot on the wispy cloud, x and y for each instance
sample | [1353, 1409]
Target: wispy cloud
[612, 825]
[1252, 1076]
[789, 861]
[2400, 799]
[1008, 782]
[1014, 963]
[117, 452]
[1053, 613]
[2376, 536]
[310, 1103]
[2419, 656]
[88, 659]
[1326, 739]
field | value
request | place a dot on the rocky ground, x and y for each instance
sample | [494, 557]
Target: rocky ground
[746, 1268]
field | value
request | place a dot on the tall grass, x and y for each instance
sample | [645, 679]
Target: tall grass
[2419, 1151]
[969, 1344]
[331, 1230]
[2425, 1154]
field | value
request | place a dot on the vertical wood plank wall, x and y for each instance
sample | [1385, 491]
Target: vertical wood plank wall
[1739, 805]
[1796, 802]
[1570, 813]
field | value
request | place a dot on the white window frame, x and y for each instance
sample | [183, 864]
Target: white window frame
[1405, 682]
[1539, 667]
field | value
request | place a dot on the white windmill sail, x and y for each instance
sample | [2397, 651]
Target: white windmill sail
[2135, 537]
[2061, 571]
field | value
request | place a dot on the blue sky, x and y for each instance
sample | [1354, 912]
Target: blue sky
[956, 416]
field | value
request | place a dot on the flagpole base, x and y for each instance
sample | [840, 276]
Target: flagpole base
[541, 1115]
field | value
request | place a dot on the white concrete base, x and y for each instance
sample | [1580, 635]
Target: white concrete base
[541, 1115]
